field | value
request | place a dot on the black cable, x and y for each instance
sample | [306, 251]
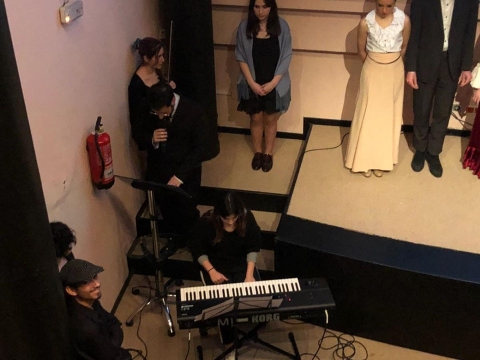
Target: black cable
[138, 326]
[188, 349]
[307, 354]
[339, 350]
[139, 353]
[138, 331]
[150, 287]
[344, 349]
[463, 122]
[319, 344]
[329, 148]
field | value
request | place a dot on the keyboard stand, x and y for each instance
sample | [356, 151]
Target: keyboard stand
[253, 335]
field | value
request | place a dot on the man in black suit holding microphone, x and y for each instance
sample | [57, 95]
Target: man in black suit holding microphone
[438, 59]
[178, 139]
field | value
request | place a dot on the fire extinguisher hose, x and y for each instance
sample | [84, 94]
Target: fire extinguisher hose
[99, 151]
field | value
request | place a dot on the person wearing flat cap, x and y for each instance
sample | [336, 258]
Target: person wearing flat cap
[95, 332]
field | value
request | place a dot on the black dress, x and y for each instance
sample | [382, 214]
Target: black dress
[265, 53]
[229, 256]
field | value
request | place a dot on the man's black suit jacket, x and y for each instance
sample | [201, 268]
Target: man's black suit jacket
[189, 142]
[425, 47]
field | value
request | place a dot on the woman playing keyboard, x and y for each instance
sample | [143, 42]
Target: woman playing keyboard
[226, 242]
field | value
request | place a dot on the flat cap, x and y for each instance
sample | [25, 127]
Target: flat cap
[77, 270]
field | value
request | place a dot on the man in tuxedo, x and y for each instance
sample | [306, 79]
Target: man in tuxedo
[438, 59]
[178, 138]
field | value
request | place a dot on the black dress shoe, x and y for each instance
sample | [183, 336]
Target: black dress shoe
[418, 161]
[257, 161]
[267, 162]
[434, 165]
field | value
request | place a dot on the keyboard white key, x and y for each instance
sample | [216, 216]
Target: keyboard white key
[264, 287]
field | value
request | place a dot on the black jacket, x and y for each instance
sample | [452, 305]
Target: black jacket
[192, 138]
[425, 47]
[96, 333]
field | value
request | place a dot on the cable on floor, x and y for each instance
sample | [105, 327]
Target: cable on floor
[150, 287]
[346, 347]
[189, 339]
[463, 122]
[329, 148]
[139, 352]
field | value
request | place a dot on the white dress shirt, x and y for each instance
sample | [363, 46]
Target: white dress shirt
[447, 11]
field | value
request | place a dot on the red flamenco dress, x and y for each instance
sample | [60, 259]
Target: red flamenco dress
[471, 158]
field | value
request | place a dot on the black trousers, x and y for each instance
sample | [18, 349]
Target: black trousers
[439, 94]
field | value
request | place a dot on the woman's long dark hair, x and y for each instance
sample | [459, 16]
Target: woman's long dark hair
[230, 204]
[273, 23]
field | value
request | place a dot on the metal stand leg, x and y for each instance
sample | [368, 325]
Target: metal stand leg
[160, 288]
[253, 335]
[200, 352]
[294, 345]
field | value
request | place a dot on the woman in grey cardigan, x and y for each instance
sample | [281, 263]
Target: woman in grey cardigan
[264, 52]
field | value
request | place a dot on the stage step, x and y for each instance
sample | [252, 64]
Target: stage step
[231, 169]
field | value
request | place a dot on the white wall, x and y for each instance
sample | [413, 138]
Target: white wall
[69, 76]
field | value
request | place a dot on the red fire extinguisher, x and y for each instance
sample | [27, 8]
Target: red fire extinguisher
[100, 157]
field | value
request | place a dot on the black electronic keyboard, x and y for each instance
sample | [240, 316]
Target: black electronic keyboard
[253, 302]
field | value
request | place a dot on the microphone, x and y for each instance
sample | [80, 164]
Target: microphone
[163, 124]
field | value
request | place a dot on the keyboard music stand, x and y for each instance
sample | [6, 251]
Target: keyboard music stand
[161, 288]
[252, 335]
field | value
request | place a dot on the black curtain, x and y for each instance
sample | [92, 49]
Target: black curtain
[192, 59]
[33, 322]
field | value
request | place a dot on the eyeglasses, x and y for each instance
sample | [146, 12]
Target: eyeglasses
[164, 114]
[153, 112]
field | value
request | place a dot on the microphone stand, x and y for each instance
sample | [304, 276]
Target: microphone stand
[161, 288]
